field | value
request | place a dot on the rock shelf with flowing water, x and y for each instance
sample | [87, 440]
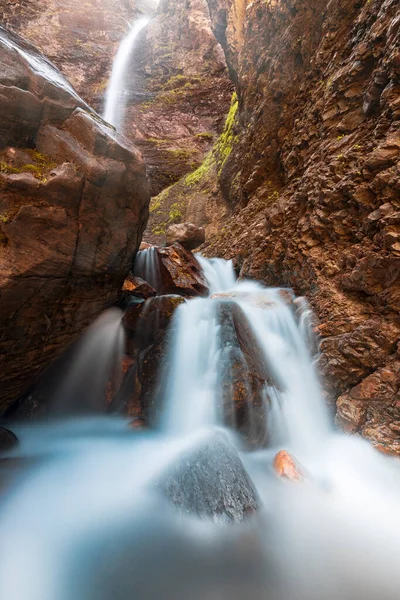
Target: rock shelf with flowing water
[92, 509]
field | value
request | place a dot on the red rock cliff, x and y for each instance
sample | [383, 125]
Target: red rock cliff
[303, 190]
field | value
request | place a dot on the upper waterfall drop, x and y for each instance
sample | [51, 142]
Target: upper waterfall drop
[219, 273]
[115, 95]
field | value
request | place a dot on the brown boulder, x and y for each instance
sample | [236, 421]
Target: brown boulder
[187, 235]
[171, 270]
[73, 203]
[180, 272]
[147, 329]
[137, 287]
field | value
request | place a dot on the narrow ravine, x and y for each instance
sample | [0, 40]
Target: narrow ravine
[197, 290]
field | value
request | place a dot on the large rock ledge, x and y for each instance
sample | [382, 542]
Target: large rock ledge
[73, 204]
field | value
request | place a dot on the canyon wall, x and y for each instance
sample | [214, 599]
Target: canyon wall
[302, 189]
[178, 92]
[73, 205]
[277, 124]
[177, 89]
[81, 38]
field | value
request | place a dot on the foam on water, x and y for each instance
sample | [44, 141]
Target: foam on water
[81, 518]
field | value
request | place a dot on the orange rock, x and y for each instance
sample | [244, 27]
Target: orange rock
[138, 287]
[286, 467]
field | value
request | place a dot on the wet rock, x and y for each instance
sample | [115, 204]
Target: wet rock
[124, 390]
[81, 39]
[286, 467]
[147, 327]
[243, 375]
[137, 287]
[137, 423]
[74, 201]
[8, 440]
[210, 481]
[187, 235]
[152, 363]
[131, 317]
[180, 273]
[155, 315]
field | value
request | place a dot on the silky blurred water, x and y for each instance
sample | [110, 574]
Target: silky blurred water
[82, 516]
[115, 100]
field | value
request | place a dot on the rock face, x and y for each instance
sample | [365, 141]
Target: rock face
[178, 86]
[180, 90]
[308, 169]
[73, 205]
[81, 38]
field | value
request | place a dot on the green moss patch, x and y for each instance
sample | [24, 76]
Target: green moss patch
[224, 146]
[194, 178]
[39, 167]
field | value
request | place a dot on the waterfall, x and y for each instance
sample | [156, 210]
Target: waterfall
[147, 267]
[219, 274]
[91, 510]
[193, 384]
[116, 90]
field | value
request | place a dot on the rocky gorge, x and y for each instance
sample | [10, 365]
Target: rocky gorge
[302, 187]
[283, 145]
[199, 299]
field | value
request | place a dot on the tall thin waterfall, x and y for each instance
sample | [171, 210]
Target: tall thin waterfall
[116, 90]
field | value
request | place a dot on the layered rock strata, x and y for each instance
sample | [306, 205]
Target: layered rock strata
[303, 188]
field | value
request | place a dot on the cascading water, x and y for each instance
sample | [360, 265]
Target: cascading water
[116, 90]
[85, 514]
[147, 267]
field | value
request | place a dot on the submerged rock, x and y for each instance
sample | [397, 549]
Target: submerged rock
[210, 481]
[187, 234]
[74, 201]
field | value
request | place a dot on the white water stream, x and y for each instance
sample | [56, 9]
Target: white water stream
[116, 90]
[81, 519]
